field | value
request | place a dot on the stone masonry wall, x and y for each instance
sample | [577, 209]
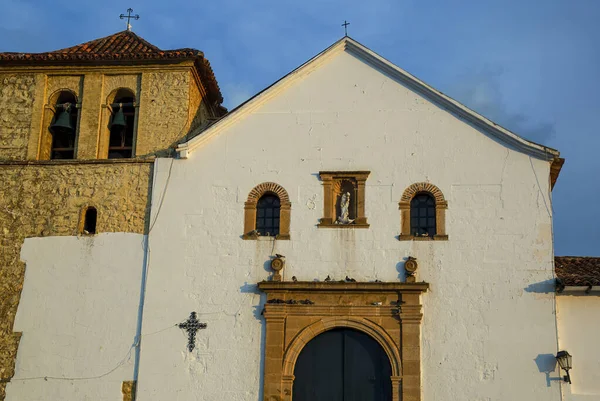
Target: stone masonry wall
[164, 111]
[16, 100]
[199, 111]
[46, 199]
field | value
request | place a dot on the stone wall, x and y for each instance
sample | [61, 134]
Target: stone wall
[16, 100]
[164, 112]
[199, 112]
[46, 199]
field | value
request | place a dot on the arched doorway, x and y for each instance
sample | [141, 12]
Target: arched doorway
[342, 365]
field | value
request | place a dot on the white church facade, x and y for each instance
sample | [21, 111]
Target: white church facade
[349, 233]
[347, 113]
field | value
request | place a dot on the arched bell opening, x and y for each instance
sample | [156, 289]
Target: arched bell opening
[342, 364]
[63, 126]
[122, 125]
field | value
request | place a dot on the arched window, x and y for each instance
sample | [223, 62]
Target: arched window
[267, 215]
[64, 126]
[122, 126]
[422, 215]
[89, 219]
[267, 212]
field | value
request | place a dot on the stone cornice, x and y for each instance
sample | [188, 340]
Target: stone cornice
[72, 162]
[335, 286]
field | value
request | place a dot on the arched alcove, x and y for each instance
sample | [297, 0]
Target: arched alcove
[88, 220]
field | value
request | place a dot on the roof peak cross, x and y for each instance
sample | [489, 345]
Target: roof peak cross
[345, 25]
[129, 17]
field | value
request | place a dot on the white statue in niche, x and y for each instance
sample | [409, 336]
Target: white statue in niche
[344, 217]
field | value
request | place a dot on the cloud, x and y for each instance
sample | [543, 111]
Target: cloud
[482, 91]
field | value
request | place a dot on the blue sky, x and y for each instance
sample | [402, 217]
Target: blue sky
[529, 65]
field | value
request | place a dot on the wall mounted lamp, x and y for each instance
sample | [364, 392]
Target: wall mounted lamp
[564, 361]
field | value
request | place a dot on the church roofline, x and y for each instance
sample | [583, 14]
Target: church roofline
[121, 47]
[348, 44]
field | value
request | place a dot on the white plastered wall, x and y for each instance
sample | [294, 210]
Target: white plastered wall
[578, 333]
[78, 314]
[488, 329]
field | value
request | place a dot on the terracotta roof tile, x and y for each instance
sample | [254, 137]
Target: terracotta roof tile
[121, 42]
[123, 46]
[577, 270]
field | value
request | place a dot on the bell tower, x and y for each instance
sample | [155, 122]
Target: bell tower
[155, 97]
[79, 131]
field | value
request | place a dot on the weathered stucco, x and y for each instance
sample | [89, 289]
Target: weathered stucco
[16, 103]
[578, 331]
[490, 309]
[78, 315]
[46, 199]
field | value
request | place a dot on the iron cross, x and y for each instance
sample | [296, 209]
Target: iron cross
[129, 17]
[192, 325]
[345, 25]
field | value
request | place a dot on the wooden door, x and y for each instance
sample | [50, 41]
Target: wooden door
[342, 365]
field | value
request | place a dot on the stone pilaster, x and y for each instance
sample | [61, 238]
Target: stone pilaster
[410, 318]
[275, 332]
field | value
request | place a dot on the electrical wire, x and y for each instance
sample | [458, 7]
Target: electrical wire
[162, 198]
[125, 359]
[136, 343]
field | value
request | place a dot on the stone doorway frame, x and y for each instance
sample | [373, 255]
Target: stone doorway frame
[296, 312]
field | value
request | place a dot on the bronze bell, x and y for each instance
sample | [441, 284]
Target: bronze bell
[62, 120]
[118, 119]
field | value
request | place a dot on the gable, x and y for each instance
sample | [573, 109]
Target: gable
[348, 46]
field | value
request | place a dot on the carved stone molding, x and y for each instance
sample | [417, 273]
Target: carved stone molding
[333, 184]
[389, 312]
[268, 187]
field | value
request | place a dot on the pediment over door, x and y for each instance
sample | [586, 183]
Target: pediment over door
[297, 312]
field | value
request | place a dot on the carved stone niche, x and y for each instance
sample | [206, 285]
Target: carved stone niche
[344, 199]
[296, 312]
